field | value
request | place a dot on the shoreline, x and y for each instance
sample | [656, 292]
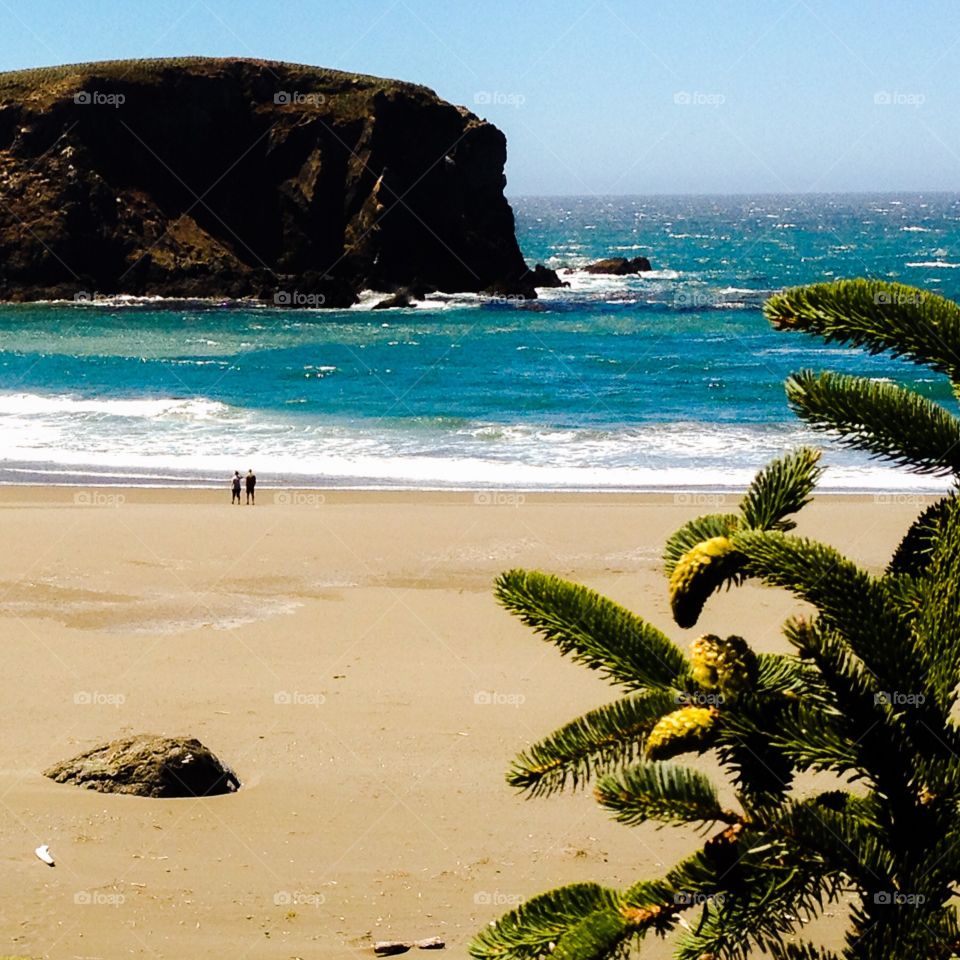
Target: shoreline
[691, 497]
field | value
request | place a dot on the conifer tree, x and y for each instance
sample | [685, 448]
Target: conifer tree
[869, 695]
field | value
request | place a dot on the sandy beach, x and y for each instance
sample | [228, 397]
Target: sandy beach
[343, 653]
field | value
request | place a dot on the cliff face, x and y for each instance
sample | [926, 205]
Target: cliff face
[245, 178]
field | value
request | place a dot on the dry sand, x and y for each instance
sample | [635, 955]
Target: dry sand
[343, 652]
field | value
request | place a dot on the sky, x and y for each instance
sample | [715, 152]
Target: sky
[605, 97]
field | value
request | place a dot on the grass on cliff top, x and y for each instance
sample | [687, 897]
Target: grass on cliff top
[46, 80]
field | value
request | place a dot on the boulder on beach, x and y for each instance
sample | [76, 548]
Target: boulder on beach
[619, 266]
[148, 766]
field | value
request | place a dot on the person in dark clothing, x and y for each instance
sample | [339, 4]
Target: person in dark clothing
[236, 488]
[251, 483]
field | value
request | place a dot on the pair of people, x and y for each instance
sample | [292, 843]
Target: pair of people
[249, 482]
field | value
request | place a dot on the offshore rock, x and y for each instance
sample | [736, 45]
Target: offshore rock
[619, 266]
[203, 177]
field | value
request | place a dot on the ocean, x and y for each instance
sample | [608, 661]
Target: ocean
[665, 380]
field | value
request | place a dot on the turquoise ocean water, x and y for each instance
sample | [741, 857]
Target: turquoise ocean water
[669, 379]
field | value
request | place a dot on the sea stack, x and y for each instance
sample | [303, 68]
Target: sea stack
[246, 178]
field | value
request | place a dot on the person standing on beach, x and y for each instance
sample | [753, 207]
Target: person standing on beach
[236, 488]
[251, 481]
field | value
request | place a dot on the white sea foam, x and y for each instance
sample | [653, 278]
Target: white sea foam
[368, 299]
[915, 229]
[33, 405]
[938, 264]
[187, 441]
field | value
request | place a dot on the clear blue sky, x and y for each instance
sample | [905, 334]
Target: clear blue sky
[613, 96]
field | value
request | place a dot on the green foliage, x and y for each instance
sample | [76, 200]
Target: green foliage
[529, 931]
[661, 791]
[593, 630]
[890, 421]
[781, 488]
[600, 741]
[701, 556]
[345, 96]
[869, 697]
[879, 316]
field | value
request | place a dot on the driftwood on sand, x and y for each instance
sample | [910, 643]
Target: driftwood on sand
[387, 948]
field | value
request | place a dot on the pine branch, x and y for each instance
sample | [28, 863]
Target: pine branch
[780, 673]
[913, 553]
[663, 792]
[696, 531]
[817, 739]
[882, 317]
[759, 913]
[801, 951]
[754, 760]
[593, 630]
[597, 937]
[782, 487]
[530, 931]
[847, 842]
[847, 598]
[938, 624]
[698, 573]
[600, 741]
[890, 421]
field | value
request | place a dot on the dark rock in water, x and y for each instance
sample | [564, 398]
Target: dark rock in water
[541, 276]
[619, 266]
[200, 177]
[402, 298]
[512, 290]
[148, 766]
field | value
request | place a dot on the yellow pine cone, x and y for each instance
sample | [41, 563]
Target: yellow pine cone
[697, 574]
[729, 666]
[685, 729]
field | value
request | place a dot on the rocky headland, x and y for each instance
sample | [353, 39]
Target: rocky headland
[238, 178]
